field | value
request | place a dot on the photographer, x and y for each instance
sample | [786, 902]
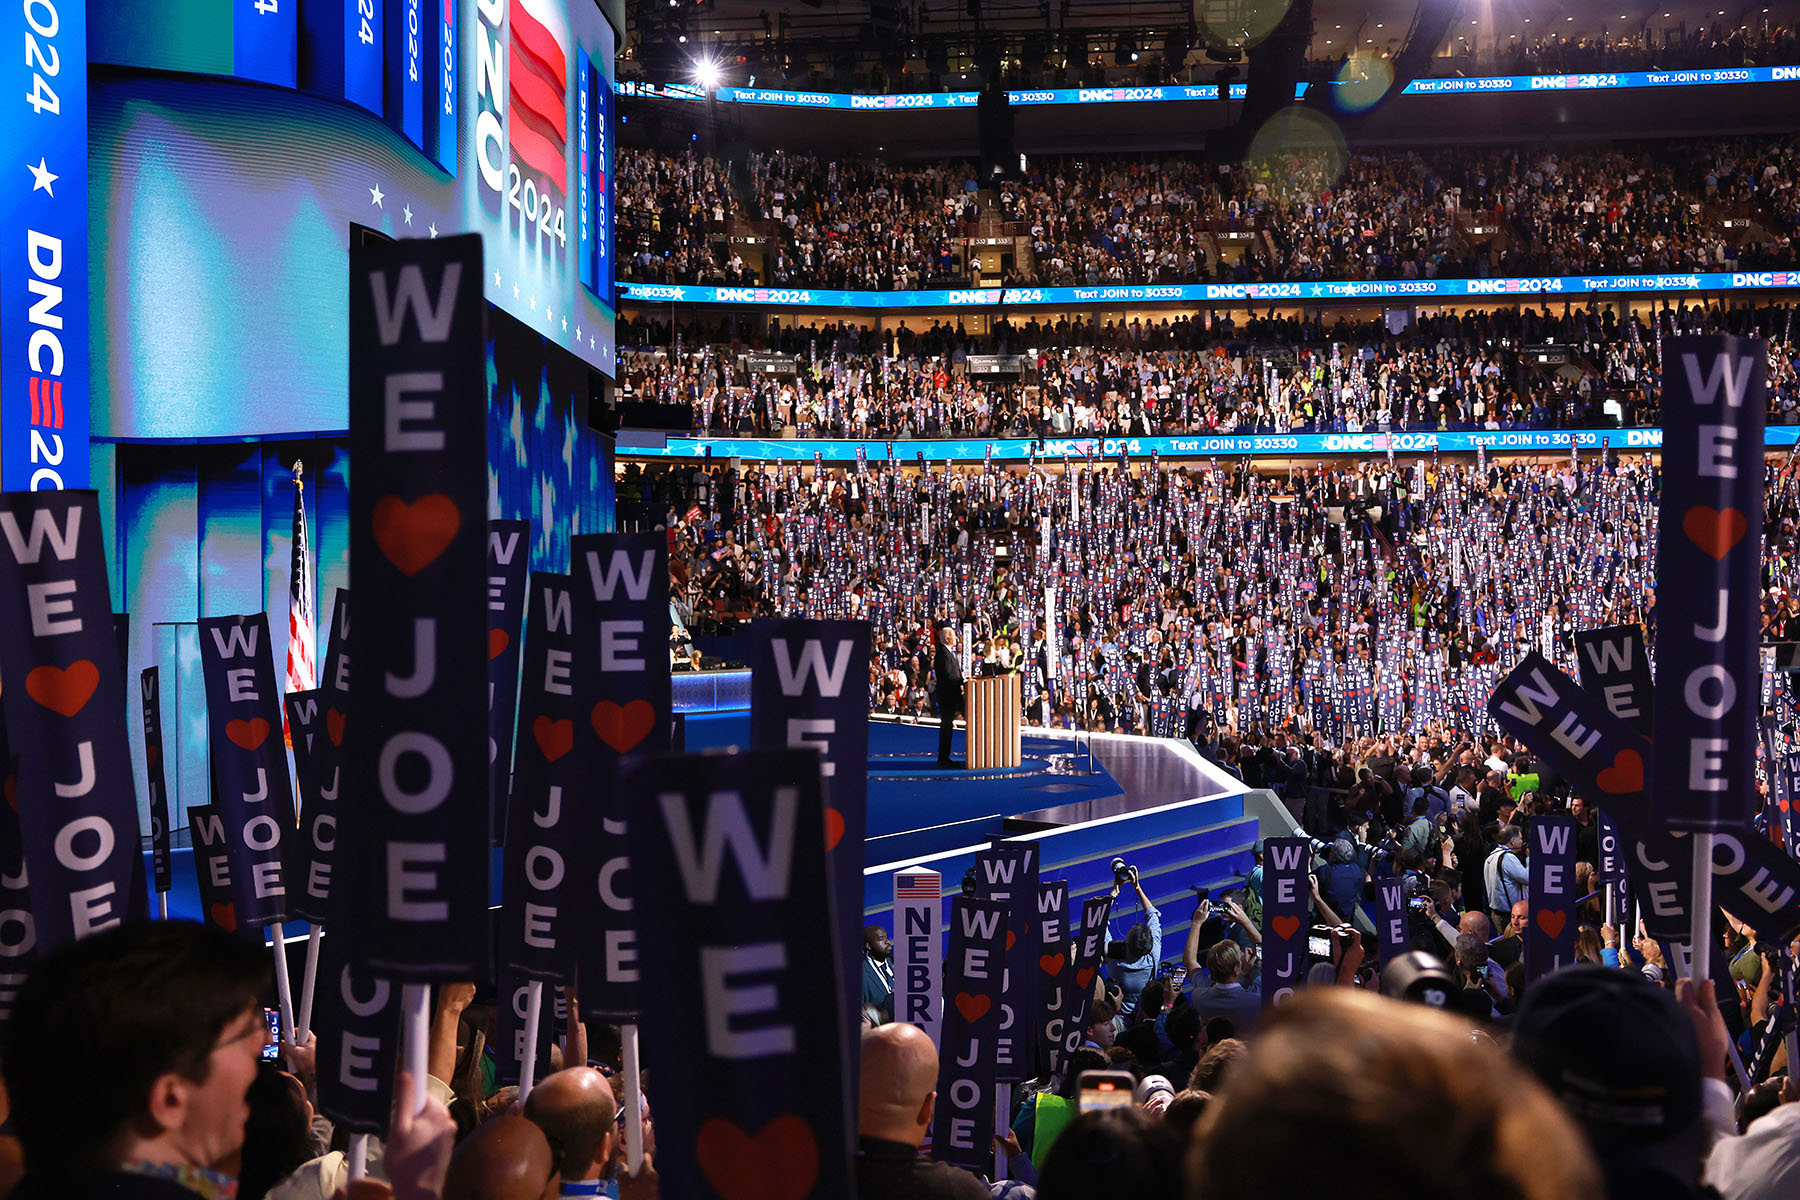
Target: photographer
[1504, 876]
[1132, 961]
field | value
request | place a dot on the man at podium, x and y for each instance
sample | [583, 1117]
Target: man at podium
[949, 691]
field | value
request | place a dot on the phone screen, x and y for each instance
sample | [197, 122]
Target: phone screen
[1105, 1089]
[1318, 947]
[272, 1051]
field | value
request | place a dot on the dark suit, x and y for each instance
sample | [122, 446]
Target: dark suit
[949, 698]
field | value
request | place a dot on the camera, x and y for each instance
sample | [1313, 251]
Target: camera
[1122, 872]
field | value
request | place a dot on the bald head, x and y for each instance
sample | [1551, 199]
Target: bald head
[506, 1159]
[899, 1083]
[1476, 923]
[575, 1109]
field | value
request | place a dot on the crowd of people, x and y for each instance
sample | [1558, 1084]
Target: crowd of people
[1330, 608]
[1311, 214]
[1666, 48]
[135, 1068]
[1272, 374]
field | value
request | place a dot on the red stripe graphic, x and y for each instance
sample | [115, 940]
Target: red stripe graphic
[36, 418]
[537, 96]
[529, 35]
[58, 391]
[539, 153]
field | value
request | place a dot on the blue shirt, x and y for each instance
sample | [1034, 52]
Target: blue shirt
[1133, 977]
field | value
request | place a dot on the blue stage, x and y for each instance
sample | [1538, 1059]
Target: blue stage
[1153, 801]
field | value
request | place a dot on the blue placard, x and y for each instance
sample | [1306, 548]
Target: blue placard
[44, 331]
[584, 170]
[1135, 293]
[1190, 446]
[1708, 581]
[265, 40]
[364, 39]
[603, 193]
[442, 86]
[406, 68]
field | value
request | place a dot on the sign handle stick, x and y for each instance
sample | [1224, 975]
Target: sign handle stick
[634, 1098]
[1787, 998]
[309, 976]
[1737, 1061]
[162, 906]
[534, 1015]
[1611, 900]
[284, 989]
[1002, 1120]
[415, 1037]
[1700, 946]
[359, 1156]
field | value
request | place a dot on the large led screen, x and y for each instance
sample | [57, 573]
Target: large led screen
[222, 211]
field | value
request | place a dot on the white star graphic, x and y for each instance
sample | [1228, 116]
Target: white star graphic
[515, 291]
[433, 230]
[590, 342]
[534, 302]
[548, 315]
[578, 333]
[566, 327]
[407, 213]
[42, 177]
[496, 279]
[375, 196]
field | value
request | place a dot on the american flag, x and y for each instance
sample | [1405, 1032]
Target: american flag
[917, 887]
[300, 677]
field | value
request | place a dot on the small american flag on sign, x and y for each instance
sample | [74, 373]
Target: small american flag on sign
[300, 677]
[917, 887]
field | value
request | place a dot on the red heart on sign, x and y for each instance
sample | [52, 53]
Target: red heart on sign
[64, 690]
[334, 726]
[779, 1163]
[413, 535]
[224, 916]
[973, 1008]
[1285, 927]
[554, 738]
[11, 791]
[1625, 776]
[623, 727]
[1053, 964]
[1011, 939]
[1714, 530]
[1084, 977]
[834, 828]
[248, 734]
[1551, 921]
[497, 642]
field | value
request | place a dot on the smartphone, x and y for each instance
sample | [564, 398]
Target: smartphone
[1105, 1089]
[272, 1051]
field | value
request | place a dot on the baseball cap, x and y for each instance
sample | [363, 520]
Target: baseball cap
[1157, 1087]
[1621, 1055]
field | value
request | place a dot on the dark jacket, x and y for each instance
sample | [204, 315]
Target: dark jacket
[949, 676]
[894, 1171]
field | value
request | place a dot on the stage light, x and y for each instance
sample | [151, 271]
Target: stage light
[706, 74]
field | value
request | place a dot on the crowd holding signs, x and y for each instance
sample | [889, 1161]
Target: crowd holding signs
[715, 901]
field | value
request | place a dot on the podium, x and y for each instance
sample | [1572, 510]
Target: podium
[992, 710]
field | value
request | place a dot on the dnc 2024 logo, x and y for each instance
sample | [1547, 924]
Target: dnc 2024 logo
[522, 119]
